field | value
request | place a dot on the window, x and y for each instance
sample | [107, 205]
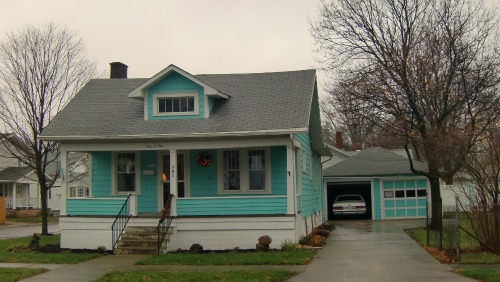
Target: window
[303, 157]
[257, 170]
[231, 170]
[245, 171]
[175, 104]
[79, 192]
[126, 174]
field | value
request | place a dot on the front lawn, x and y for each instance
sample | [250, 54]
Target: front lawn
[486, 275]
[223, 276]
[295, 257]
[24, 256]
[16, 274]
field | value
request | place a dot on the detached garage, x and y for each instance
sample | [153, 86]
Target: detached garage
[385, 181]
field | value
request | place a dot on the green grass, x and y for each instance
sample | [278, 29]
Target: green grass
[479, 258]
[486, 275]
[35, 257]
[223, 276]
[37, 219]
[16, 274]
[466, 243]
[296, 257]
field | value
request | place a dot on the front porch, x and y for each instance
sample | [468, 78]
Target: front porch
[247, 189]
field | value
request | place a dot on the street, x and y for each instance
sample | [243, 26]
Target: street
[13, 230]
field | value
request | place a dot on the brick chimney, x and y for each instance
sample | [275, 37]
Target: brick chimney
[118, 70]
[338, 139]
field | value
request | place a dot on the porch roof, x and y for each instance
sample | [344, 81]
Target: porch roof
[14, 173]
[259, 104]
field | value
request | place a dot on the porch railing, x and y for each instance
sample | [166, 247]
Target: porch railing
[22, 203]
[164, 223]
[120, 222]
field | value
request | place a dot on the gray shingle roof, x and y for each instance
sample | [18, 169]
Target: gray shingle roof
[374, 161]
[14, 173]
[258, 102]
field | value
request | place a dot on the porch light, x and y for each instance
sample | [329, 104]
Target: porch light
[164, 177]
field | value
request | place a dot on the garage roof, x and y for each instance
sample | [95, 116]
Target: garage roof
[374, 161]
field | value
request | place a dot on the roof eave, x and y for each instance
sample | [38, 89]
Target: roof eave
[176, 136]
[138, 92]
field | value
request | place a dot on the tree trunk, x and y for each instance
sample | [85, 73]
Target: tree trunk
[436, 204]
[43, 195]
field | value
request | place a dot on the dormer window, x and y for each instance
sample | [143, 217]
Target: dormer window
[166, 104]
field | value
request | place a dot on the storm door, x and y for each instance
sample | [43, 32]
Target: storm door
[181, 176]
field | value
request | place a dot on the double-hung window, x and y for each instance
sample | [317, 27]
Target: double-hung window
[126, 172]
[245, 171]
[79, 192]
[175, 104]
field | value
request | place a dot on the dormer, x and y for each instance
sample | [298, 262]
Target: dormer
[176, 94]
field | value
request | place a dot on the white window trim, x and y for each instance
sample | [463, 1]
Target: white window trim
[194, 95]
[244, 181]
[137, 174]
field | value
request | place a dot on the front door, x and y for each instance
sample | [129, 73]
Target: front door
[181, 177]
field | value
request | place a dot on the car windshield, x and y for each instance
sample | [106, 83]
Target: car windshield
[349, 198]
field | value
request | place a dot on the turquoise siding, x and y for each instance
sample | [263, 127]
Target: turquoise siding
[311, 199]
[377, 199]
[402, 200]
[94, 206]
[203, 181]
[175, 83]
[231, 206]
[147, 201]
[101, 174]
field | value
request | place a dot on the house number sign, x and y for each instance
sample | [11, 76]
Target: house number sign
[173, 172]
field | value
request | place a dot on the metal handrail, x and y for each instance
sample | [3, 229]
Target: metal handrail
[164, 223]
[120, 222]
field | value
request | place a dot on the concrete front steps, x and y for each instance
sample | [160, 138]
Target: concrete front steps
[141, 240]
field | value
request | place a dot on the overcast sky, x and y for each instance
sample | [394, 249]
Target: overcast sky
[200, 36]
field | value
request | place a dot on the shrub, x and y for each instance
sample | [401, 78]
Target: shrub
[288, 245]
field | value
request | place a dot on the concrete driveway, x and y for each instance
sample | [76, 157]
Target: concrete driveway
[14, 230]
[366, 250]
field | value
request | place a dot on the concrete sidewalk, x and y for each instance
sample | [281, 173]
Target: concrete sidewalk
[375, 251]
[94, 269]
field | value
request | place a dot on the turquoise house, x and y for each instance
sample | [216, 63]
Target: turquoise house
[240, 153]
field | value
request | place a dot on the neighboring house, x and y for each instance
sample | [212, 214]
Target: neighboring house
[384, 179]
[78, 182]
[19, 183]
[19, 188]
[241, 153]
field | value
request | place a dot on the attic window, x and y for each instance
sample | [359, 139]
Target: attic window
[175, 104]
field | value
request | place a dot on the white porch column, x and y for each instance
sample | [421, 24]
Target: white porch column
[14, 195]
[64, 181]
[133, 204]
[290, 180]
[173, 181]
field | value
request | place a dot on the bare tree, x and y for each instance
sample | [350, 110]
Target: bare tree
[482, 171]
[432, 67]
[344, 113]
[41, 68]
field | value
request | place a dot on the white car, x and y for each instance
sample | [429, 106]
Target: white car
[349, 204]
